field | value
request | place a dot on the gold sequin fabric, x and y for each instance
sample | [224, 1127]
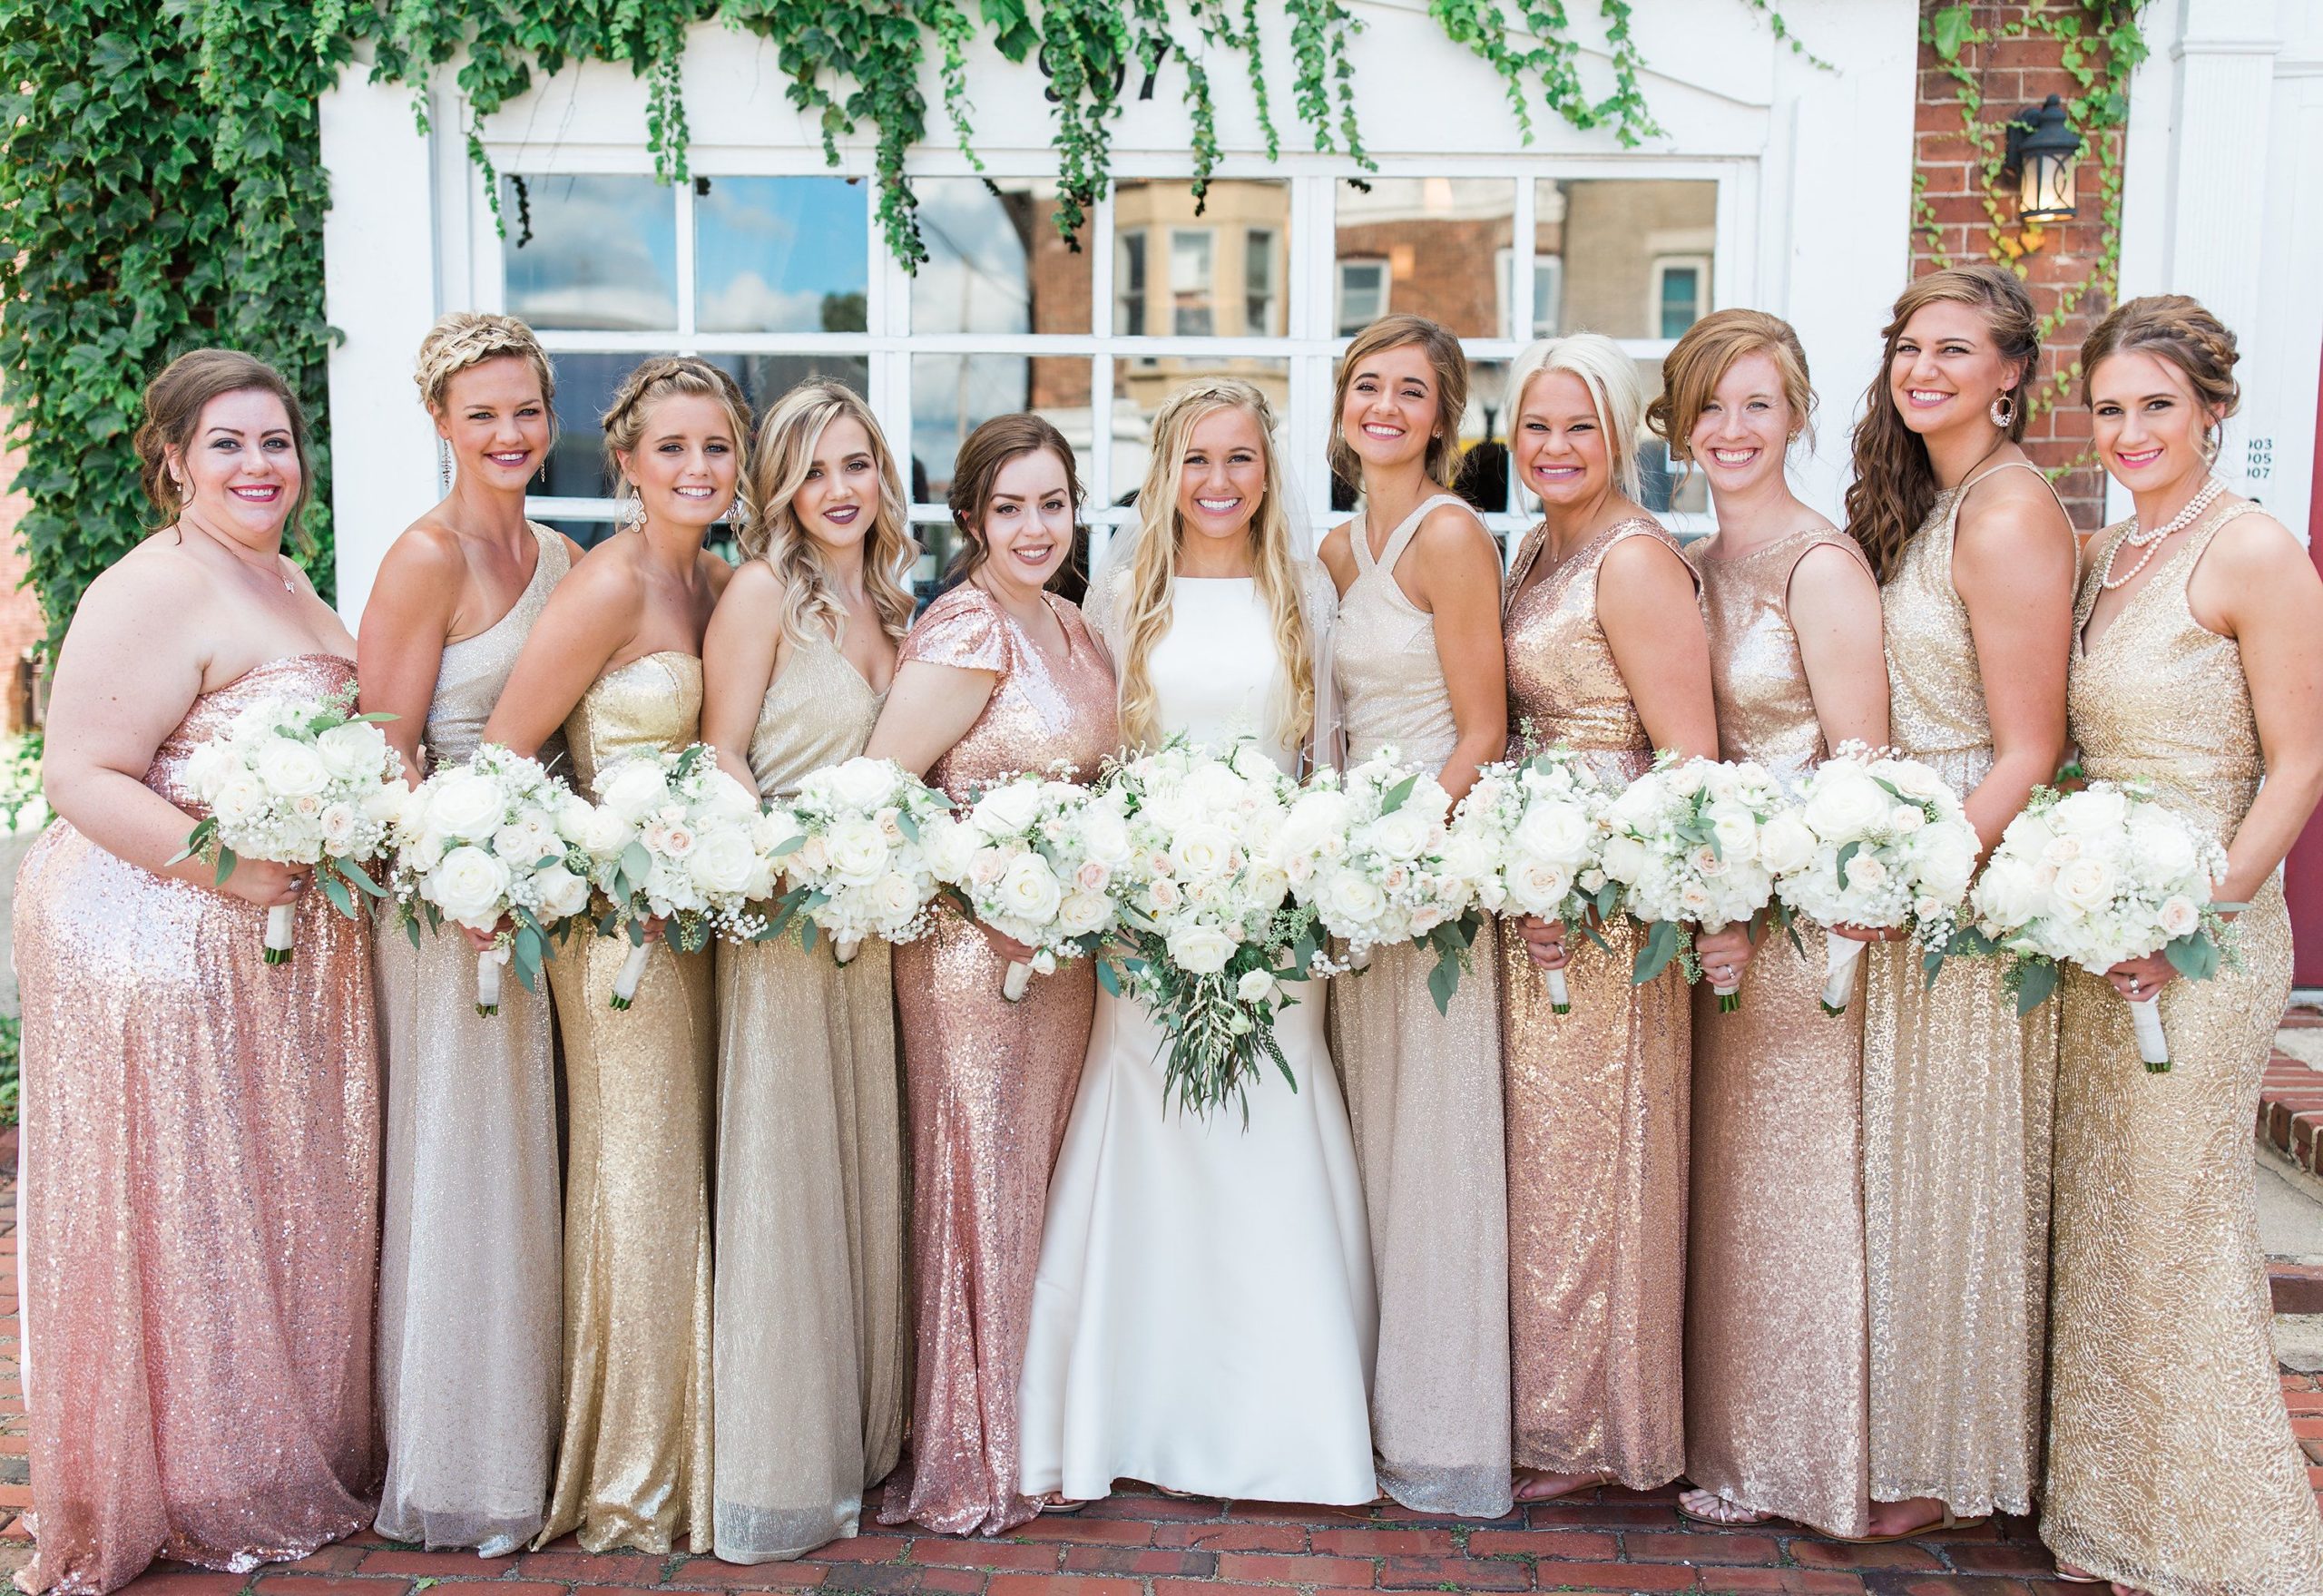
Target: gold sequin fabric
[811, 1353]
[988, 1083]
[1597, 1097]
[471, 1273]
[1775, 1326]
[199, 1210]
[633, 1459]
[1423, 1096]
[2171, 1465]
[1958, 1097]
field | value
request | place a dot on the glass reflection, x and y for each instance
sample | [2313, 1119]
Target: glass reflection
[1432, 245]
[592, 253]
[996, 263]
[1219, 272]
[1629, 258]
[764, 378]
[585, 385]
[953, 395]
[781, 254]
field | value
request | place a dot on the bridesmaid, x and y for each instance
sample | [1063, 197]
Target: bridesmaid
[469, 1275]
[201, 1129]
[1775, 1336]
[809, 1351]
[1974, 558]
[1606, 653]
[2200, 669]
[1417, 660]
[999, 676]
[615, 660]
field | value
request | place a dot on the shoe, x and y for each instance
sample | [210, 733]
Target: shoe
[1721, 1514]
[1947, 1522]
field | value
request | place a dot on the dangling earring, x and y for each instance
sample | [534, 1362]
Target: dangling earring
[2214, 441]
[633, 509]
[444, 464]
[2004, 410]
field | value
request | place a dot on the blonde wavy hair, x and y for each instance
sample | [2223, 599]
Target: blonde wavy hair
[660, 377]
[1147, 587]
[470, 337]
[788, 436]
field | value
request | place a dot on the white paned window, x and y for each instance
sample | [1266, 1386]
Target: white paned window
[1363, 295]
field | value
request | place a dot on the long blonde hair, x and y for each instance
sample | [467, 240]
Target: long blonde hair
[788, 436]
[1153, 565]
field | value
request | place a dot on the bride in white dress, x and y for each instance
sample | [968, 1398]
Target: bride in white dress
[1204, 1319]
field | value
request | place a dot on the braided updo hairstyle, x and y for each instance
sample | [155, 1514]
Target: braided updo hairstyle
[665, 376]
[2179, 329]
[469, 338]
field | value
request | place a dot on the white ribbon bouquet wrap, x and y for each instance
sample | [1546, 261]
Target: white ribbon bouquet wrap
[1876, 841]
[297, 781]
[1686, 848]
[495, 843]
[2096, 878]
[854, 842]
[1028, 858]
[1535, 831]
[675, 838]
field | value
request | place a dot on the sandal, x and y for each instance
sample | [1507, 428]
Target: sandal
[1717, 1512]
[1061, 1506]
[2073, 1576]
[1521, 1487]
[1937, 1528]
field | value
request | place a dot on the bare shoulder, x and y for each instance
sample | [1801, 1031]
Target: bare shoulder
[426, 550]
[2256, 546]
[715, 571]
[1336, 555]
[1451, 526]
[2009, 503]
[1830, 570]
[603, 581]
[751, 586]
[1642, 553]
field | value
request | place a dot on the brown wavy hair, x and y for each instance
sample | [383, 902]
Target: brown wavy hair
[1895, 485]
[2175, 327]
[174, 401]
[977, 468]
[1693, 369]
[1451, 368]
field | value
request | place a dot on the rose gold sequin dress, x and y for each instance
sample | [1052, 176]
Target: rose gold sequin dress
[1424, 1097]
[2171, 1465]
[200, 1221]
[1596, 1097]
[989, 1082]
[812, 1349]
[1775, 1336]
[470, 1271]
[632, 1463]
[1956, 1095]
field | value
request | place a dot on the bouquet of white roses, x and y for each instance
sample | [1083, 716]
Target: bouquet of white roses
[854, 843]
[497, 838]
[1877, 840]
[1538, 827]
[1210, 934]
[675, 838]
[1685, 846]
[1368, 849]
[2096, 878]
[1030, 860]
[297, 781]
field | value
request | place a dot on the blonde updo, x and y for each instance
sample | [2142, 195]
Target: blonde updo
[470, 337]
[2179, 329]
[666, 377]
[1693, 369]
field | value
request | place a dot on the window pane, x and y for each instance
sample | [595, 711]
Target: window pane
[1664, 488]
[592, 253]
[953, 395]
[1140, 388]
[781, 254]
[1432, 242]
[1681, 299]
[1606, 234]
[1190, 254]
[996, 263]
[765, 379]
[585, 385]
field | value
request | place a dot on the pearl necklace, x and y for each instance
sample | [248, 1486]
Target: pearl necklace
[2150, 541]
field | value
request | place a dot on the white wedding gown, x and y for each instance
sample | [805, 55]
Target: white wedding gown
[1204, 1317]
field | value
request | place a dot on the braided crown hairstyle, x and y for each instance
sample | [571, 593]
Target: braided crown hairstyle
[470, 337]
[2173, 327]
[664, 377]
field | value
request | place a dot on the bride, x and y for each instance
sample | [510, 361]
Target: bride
[1203, 1319]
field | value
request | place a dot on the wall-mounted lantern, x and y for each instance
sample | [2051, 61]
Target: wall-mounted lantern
[2041, 146]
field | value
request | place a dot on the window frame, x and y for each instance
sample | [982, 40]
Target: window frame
[1658, 275]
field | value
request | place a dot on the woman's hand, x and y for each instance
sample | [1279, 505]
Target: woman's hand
[1543, 942]
[1007, 948]
[484, 941]
[1723, 953]
[267, 884]
[2138, 980]
[1870, 933]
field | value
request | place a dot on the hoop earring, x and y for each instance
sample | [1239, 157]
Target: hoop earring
[2003, 410]
[633, 509]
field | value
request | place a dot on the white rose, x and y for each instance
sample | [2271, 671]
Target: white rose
[1844, 804]
[393, 806]
[562, 893]
[2179, 915]
[1266, 887]
[336, 824]
[241, 797]
[635, 789]
[607, 833]
[1625, 859]
[1910, 777]
[1255, 986]
[354, 747]
[1351, 900]
[1906, 818]
[1867, 872]
[574, 814]
[1554, 831]
[1213, 786]
[1199, 950]
[1104, 836]
[1163, 895]
[1637, 807]
[1029, 890]
[468, 885]
[2094, 811]
[1202, 851]
[1313, 819]
[526, 840]
[208, 767]
[2162, 849]
[1404, 835]
[1537, 887]
[949, 846]
[724, 862]
[2086, 885]
[895, 897]
[719, 797]
[2007, 894]
[1786, 845]
[288, 769]
[1943, 857]
[773, 827]
[1687, 779]
[1736, 828]
[861, 783]
[1084, 912]
[857, 852]
[1694, 900]
[1006, 811]
[1466, 857]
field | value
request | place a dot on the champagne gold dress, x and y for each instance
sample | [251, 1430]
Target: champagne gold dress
[1775, 1336]
[633, 1464]
[1957, 1100]
[1596, 1097]
[470, 1272]
[200, 1212]
[2171, 1465]
[811, 1355]
[989, 1082]
[1424, 1097]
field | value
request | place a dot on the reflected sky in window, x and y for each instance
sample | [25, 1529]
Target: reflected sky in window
[601, 254]
[781, 254]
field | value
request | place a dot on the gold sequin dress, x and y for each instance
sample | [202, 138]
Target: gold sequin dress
[811, 1351]
[2171, 1465]
[632, 1463]
[1775, 1333]
[989, 1083]
[1956, 1101]
[471, 1274]
[1596, 1097]
[200, 1218]
[1424, 1096]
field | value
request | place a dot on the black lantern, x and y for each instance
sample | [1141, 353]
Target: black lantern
[2041, 146]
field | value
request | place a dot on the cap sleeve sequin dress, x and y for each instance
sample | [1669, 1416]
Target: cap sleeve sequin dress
[1956, 1095]
[988, 1082]
[1597, 1097]
[200, 1219]
[470, 1274]
[1423, 1092]
[1775, 1336]
[632, 1463]
[2171, 1465]
[812, 1349]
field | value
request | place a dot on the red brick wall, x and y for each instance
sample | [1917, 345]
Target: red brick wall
[2013, 74]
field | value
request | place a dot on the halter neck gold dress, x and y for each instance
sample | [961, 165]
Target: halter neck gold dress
[1423, 1094]
[632, 1466]
[812, 1347]
[1775, 1336]
[2171, 1465]
[1596, 1097]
